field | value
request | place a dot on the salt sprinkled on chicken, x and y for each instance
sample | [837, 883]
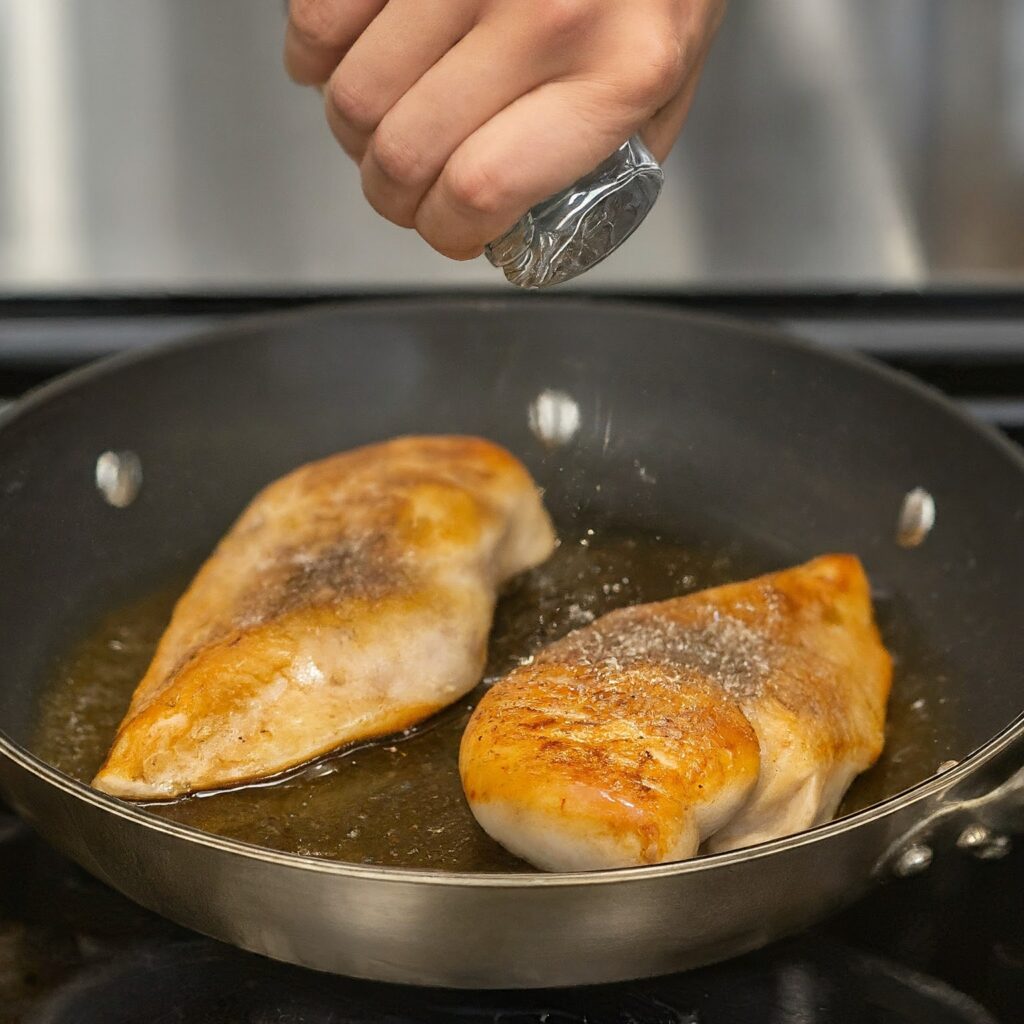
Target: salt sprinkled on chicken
[718, 720]
[722, 648]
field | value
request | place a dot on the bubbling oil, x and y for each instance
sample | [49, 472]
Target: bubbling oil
[399, 801]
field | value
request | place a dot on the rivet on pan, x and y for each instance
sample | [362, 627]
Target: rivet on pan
[983, 842]
[945, 766]
[119, 477]
[917, 517]
[913, 860]
[554, 418]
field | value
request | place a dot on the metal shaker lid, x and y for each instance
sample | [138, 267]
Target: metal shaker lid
[566, 235]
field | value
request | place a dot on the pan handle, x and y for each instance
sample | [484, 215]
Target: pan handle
[979, 823]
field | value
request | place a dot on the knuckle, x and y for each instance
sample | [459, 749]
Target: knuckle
[351, 104]
[657, 68]
[311, 19]
[474, 188]
[387, 205]
[397, 160]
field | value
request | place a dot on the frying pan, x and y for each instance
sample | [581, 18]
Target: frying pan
[761, 434]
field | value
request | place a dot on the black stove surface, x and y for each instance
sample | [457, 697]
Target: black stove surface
[946, 947]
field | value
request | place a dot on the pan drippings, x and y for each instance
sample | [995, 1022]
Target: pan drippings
[399, 801]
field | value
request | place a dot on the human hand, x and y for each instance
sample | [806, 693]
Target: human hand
[463, 114]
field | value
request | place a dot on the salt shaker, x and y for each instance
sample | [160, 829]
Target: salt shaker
[566, 235]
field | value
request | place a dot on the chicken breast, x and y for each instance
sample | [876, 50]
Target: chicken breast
[352, 599]
[724, 718]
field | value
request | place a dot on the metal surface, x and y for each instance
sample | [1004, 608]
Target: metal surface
[914, 860]
[989, 815]
[984, 843]
[554, 418]
[574, 230]
[903, 954]
[119, 477]
[917, 517]
[743, 426]
[157, 145]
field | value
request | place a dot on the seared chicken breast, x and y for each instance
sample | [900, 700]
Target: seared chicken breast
[723, 718]
[352, 599]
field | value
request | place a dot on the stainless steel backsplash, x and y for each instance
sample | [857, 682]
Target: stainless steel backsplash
[156, 144]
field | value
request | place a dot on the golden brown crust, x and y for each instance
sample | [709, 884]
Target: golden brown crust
[626, 753]
[663, 706]
[309, 625]
[347, 527]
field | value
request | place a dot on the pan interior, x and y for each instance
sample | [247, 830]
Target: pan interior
[398, 802]
[706, 433]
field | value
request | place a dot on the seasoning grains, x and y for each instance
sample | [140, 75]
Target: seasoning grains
[720, 648]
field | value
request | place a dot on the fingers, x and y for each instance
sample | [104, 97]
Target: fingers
[549, 138]
[537, 146]
[532, 149]
[465, 113]
[320, 31]
[399, 46]
[661, 132]
[452, 100]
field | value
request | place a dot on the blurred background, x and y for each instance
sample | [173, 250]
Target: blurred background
[156, 145]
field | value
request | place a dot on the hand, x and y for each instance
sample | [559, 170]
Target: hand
[462, 114]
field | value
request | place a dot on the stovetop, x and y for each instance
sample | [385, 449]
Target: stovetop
[945, 947]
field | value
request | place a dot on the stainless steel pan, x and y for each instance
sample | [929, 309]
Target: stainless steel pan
[766, 435]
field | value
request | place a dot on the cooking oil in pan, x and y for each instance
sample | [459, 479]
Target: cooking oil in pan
[399, 801]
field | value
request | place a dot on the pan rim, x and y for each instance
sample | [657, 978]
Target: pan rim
[136, 815]
[372, 306]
